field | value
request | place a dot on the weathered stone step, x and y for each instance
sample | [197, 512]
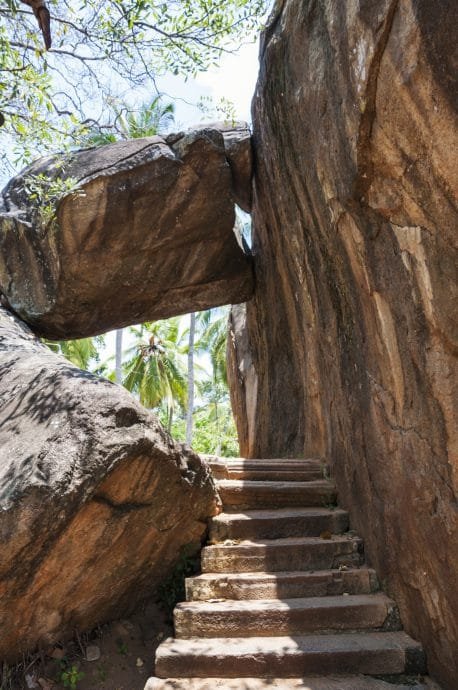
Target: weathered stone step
[274, 555]
[280, 523]
[340, 682]
[272, 617]
[263, 657]
[246, 495]
[268, 470]
[283, 585]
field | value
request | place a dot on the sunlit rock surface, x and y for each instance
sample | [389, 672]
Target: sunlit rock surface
[146, 233]
[96, 501]
[353, 331]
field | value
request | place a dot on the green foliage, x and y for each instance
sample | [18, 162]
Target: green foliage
[172, 590]
[150, 119]
[214, 428]
[122, 647]
[70, 675]
[101, 50]
[215, 431]
[212, 339]
[46, 193]
[156, 369]
[83, 353]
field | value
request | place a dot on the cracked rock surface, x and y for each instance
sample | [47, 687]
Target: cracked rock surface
[96, 500]
[351, 339]
[145, 232]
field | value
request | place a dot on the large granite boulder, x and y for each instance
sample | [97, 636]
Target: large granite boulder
[96, 501]
[128, 232]
[353, 333]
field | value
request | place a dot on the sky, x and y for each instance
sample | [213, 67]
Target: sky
[234, 81]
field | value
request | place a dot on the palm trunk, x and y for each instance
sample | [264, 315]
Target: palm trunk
[190, 410]
[118, 357]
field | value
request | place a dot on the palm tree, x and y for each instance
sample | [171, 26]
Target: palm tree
[156, 369]
[150, 119]
[190, 407]
[213, 341]
[80, 352]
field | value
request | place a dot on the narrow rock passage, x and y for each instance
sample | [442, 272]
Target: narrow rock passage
[285, 599]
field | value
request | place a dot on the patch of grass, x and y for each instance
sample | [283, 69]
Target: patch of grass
[122, 647]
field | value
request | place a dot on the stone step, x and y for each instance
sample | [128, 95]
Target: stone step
[245, 495]
[280, 523]
[272, 617]
[267, 470]
[274, 555]
[386, 653]
[283, 585]
[340, 682]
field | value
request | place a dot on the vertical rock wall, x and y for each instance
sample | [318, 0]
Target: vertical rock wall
[352, 334]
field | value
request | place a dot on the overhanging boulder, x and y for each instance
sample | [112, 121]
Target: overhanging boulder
[96, 500]
[128, 232]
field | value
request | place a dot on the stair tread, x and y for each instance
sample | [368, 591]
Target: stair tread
[272, 577]
[267, 462]
[372, 653]
[284, 541]
[288, 644]
[321, 624]
[244, 484]
[291, 470]
[264, 617]
[278, 513]
[328, 682]
[255, 605]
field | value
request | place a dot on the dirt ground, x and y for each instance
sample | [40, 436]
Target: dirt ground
[122, 653]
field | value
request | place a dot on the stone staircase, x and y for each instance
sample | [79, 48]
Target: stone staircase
[285, 599]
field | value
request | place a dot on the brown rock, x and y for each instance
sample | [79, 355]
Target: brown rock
[96, 500]
[239, 153]
[145, 233]
[353, 333]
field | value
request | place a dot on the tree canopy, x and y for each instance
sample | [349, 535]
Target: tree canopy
[102, 51]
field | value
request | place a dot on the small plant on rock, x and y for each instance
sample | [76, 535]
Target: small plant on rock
[47, 193]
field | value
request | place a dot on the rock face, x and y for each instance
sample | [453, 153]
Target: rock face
[96, 501]
[353, 331]
[141, 230]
